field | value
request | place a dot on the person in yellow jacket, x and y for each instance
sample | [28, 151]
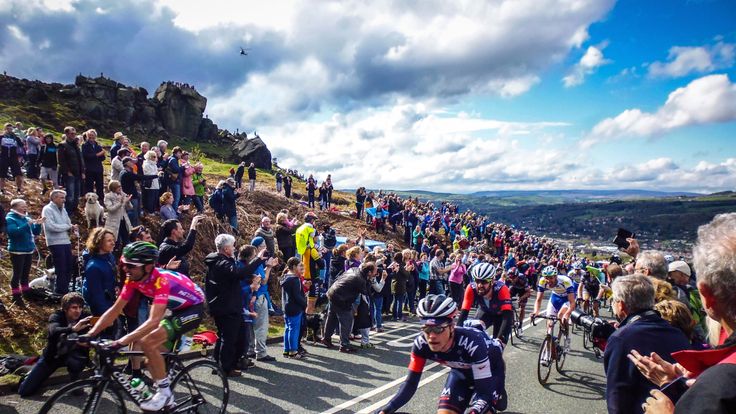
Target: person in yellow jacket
[305, 247]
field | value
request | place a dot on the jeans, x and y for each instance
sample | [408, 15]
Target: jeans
[310, 199]
[358, 210]
[176, 191]
[43, 369]
[73, 187]
[436, 287]
[31, 166]
[199, 203]
[233, 220]
[343, 317]
[278, 187]
[62, 254]
[252, 186]
[291, 332]
[260, 329]
[93, 181]
[399, 300]
[134, 213]
[376, 309]
[230, 339]
[21, 269]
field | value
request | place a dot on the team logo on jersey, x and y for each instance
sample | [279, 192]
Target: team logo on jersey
[468, 344]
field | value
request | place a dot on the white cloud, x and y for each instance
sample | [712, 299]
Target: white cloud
[591, 60]
[709, 99]
[685, 60]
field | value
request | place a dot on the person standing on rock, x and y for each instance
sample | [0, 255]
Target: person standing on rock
[252, 177]
[238, 175]
[10, 145]
[71, 167]
[93, 156]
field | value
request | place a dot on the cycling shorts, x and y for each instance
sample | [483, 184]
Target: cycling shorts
[556, 304]
[518, 291]
[181, 322]
[458, 393]
[591, 290]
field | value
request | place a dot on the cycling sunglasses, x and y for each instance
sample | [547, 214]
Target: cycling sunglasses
[435, 329]
[482, 281]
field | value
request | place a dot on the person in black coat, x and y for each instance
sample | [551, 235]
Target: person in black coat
[174, 246]
[229, 197]
[224, 300]
[295, 304]
[641, 329]
[287, 186]
[93, 156]
[238, 176]
[252, 177]
[342, 295]
[63, 323]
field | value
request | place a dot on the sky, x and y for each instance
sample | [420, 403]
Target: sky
[457, 96]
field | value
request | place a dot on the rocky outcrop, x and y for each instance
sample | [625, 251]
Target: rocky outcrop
[253, 150]
[176, 110]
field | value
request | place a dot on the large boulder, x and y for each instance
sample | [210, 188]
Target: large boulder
[180, 109]
[253, 150]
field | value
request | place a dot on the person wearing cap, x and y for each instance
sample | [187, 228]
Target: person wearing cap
[679, 275]
[71, 168]
[93, 156]
[117, 144]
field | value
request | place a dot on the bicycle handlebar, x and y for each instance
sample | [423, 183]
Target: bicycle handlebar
[534, 318]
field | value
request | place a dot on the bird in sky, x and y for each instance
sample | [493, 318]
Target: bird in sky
[244, 52]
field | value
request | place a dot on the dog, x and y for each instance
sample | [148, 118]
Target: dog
[93, 210]
[314, 328]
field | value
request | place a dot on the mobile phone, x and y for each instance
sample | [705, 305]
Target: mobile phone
[620, 239]
[94, 320]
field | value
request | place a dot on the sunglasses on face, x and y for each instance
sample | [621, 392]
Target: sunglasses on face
[482, 281]
[434, 329]
[130, 266]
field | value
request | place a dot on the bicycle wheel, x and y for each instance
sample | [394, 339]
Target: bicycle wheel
[587, 343]
[544, 363]
[86, 396]
[562, 338]
[201, 387]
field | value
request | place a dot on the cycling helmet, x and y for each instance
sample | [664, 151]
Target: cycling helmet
[483, 271]
[549, 271]
[436, 309]
[669, 258]
[576, 266]
[513, 271]
[140, 253]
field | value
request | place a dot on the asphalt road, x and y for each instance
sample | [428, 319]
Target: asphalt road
[330, 382]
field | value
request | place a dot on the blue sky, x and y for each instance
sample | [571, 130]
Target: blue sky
[447, 96]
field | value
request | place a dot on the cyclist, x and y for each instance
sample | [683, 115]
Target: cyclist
[476, 382]
[518, 285]
[177, 308]
[492, 298]
[589, 288]
[575, 274]
[561, 301]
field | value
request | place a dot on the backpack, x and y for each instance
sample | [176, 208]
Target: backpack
[217, 201]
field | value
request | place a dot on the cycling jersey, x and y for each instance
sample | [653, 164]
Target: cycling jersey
[477, 378]
[500, 299]
[561, 289]
[591, 284]
[172, 289]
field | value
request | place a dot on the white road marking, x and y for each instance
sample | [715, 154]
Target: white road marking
[369, 394]
[423, 382]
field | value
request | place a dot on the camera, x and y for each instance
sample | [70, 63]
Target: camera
[597, 329]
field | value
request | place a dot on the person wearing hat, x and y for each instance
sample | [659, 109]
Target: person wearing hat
[118, 138]
[679, 275]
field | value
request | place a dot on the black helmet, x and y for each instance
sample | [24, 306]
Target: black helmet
[436, 307]
[140, 253]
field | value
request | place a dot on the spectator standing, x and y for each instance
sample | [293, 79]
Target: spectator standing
[266, 232]
[438, 273]
[311, 188]
[150, 187]
[187, 185]
[457, 276]
[127, 180]
[98, 288]
[93, 156]
[287, 186]
[56, 228]
[69, 319]
[252, 177]
[651, 263]
[359, 202]
[139, 161]
[257, 348]
[323, 196]
[222, 290]
[229, 197]
[399, 284]
[49, 163]
[71, 167]
[238, 175]
[295, 304]
[118, 138]
[279, 181]
[175, 245]
[328, 240]
[423, 267]
[116, 164]
[285, 235]
[200, 187]
[21, 230]
[641, 329]
[116, 204]
[33, 144]
[342, 294]
[328, 182]
[10, 146]
[173, 175]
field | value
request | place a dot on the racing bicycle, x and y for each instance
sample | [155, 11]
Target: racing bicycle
[554, 348]
[199, 387]
[516, 327]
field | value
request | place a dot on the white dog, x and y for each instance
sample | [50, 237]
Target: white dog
[93, 210]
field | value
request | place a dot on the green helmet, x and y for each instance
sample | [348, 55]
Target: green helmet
[140, 253]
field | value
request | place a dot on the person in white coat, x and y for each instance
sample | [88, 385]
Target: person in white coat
[116, 204]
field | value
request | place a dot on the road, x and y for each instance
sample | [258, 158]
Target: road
[330, 382]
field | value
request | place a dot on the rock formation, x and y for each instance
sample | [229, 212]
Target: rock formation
[253, 150]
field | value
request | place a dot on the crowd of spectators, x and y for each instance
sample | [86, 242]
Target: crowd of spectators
[661, 305]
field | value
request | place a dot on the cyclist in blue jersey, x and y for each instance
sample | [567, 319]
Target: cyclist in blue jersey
[476, 382]
[561, 301]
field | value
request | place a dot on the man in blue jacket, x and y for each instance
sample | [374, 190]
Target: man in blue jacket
[641, 328]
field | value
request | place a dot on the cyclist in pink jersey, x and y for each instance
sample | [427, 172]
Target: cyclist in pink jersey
[177, 308]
